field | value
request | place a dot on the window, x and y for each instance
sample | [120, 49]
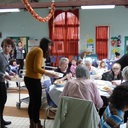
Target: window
[64, 31]
[102, 36]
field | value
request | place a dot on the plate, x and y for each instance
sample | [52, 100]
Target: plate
[59, 74]
[59, 83]
[105, 88]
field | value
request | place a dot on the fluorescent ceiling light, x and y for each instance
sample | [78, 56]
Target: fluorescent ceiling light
[9, 10]
[98, 7]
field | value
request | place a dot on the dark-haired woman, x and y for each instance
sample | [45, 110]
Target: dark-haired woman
[113, 116]
[117, 55]
[20, 54]
[34, 72]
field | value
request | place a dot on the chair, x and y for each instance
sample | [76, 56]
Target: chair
[51, 105]
[53, 60]
[76, 113]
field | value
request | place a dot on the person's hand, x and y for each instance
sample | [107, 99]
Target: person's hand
[69, 76]
[96, 76]
[8, 77]
[55, 75]
[115, 83]
[13, 74]
[109, 91]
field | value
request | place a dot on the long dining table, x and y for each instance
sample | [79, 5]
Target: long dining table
[56, 90]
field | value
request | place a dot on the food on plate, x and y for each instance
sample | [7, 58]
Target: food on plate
[107, 89]
[58, 82]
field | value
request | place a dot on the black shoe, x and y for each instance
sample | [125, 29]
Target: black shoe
[7, 122]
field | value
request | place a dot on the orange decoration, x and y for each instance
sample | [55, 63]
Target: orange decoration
[35, 15]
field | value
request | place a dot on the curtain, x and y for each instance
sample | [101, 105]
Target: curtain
[64, 31]
[102, 41]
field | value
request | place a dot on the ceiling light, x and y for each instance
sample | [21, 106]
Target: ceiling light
[9, 10]
[98, 7]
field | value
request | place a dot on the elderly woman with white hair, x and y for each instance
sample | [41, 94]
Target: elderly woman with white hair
[125, 77]
[82, 87]
[94, 72]
[114, 74]
[64, 69]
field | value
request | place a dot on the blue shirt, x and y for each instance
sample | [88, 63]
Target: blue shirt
[112, 118]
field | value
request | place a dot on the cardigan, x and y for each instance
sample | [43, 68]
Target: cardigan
[76, 113]
[33, 64]
[3, 66]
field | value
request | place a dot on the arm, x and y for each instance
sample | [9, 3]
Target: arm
[38, 61]
[98, 100]
[96, 73]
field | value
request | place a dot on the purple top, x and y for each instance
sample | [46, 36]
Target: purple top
[84, 89]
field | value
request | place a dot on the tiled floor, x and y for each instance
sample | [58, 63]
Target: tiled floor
[20, 122]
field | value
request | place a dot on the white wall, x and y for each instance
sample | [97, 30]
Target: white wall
[115, 18]
[23, 24]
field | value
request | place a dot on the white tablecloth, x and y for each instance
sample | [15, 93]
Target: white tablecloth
[17, 79]
[123, 125]
[55, 92]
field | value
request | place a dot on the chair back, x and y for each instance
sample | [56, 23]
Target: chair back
[47, 84]
[53, 60]
[76, 113]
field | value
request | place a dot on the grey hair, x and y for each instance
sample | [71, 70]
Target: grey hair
[62, 60]
[125, 73]
[82, 71]
[88, 60]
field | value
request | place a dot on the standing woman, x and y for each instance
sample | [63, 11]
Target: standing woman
[34, 72]
[20, 54]
[7, 45]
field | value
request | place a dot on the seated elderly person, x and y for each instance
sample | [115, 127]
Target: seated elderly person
[114, 74]
[64, 69]
[92, 70]
[82, 87]
[125, 83]
[118, 104]
[125, 76]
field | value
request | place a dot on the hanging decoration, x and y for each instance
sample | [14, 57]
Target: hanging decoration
[116, 41]
[35, 15]
[113, 41]
[119, 41]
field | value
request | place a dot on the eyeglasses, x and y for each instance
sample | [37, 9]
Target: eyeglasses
[115, 68]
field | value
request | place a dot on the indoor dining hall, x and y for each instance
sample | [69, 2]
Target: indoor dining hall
[63, 64]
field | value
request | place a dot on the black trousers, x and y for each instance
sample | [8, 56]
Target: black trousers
[35, 94]
[21, 63]
[105, 101]
[3, 98]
